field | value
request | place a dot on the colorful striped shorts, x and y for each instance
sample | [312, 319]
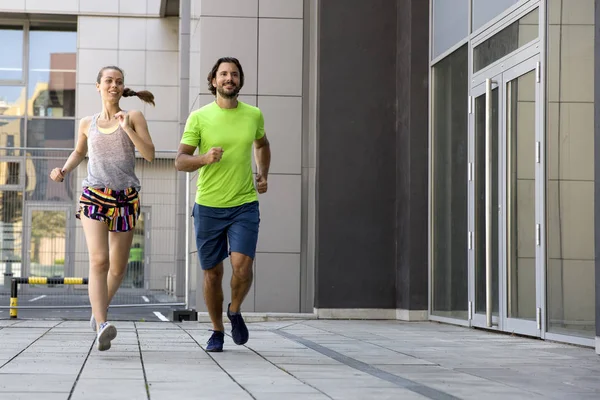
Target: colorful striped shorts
[119, 209]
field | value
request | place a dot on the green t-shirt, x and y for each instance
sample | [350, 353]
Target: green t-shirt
[229, 182]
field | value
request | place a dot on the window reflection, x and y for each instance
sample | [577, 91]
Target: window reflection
[12, 100]
[509, 39]
[449, 213]
[52, 67]
[570, 168]
[11, 135]
[11, 62]
[48, 133]
[51, 133]
[486, 10]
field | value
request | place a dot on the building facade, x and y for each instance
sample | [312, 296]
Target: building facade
[431, 160]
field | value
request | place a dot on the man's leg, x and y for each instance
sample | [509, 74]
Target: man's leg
[211, 242]
[241, 279]
[213, 295]
[243, 237]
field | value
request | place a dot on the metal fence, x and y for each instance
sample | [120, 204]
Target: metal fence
[41, 236]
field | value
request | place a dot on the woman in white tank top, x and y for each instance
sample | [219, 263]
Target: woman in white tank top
[109, 205]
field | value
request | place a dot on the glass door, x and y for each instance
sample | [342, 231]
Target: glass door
[484, 180]
[505, 186]
[524, 263]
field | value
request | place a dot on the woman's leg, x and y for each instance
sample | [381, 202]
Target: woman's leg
[120, 244]
[96, 236]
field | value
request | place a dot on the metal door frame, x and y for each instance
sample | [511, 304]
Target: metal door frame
[498, 77]
[478, 320]
[532, 328]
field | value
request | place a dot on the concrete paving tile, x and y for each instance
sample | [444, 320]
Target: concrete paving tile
[71, 349]
[427, 354]
[331, 374]
[205, 374]
[365, 381]
[165, 357]
[338, 393]
[541, 380]
[112, 373]
[280, 388]
[198, 394]
[87, 389]
[302, 360]
[37, 395]
[35, 383]
[220, 390]
[289, 396]
[32, 367]
[460, 384]
[37, 324]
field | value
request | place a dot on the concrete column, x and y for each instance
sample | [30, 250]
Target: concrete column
[412, 72]
[355, 270]
[182, 253]
[597, 164]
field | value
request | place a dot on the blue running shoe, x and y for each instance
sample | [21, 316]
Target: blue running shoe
[215, 343]
[239, 331]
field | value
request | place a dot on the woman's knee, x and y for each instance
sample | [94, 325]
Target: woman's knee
[99, 262]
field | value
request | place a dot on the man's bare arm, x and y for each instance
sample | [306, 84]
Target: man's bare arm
[186, 161]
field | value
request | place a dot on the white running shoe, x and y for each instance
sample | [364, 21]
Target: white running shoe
[106, 333]
[93, 321]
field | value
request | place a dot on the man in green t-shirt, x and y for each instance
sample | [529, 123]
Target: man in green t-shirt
[226, 207]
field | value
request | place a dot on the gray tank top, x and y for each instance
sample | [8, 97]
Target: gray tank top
[111, 159]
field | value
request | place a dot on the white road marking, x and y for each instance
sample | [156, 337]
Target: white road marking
[160, 316]
[38, 298]
[147, 300]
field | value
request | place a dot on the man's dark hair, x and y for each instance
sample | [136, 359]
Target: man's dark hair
[213, 72]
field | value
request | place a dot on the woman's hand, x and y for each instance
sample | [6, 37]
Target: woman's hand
[57, 175]
[124, 120]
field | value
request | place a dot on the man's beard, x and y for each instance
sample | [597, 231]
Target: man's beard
[229, 95]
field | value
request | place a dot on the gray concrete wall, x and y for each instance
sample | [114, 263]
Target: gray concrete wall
[268, 38]
[372, 157]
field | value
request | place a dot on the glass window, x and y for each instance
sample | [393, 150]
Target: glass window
[11, 62]
[38, 185]
[12, 101]
[51, 133]
[486, 10]
[450, 157]
[11, 135]
[450, 24]
[570, 168]
[507, 40]
[52, 68]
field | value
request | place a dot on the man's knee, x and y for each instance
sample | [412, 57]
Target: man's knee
[214, 276]
[242, 266]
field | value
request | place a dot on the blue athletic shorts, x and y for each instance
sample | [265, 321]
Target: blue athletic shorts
[214, 227]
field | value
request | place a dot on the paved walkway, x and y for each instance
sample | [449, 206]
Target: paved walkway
[288, 360]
